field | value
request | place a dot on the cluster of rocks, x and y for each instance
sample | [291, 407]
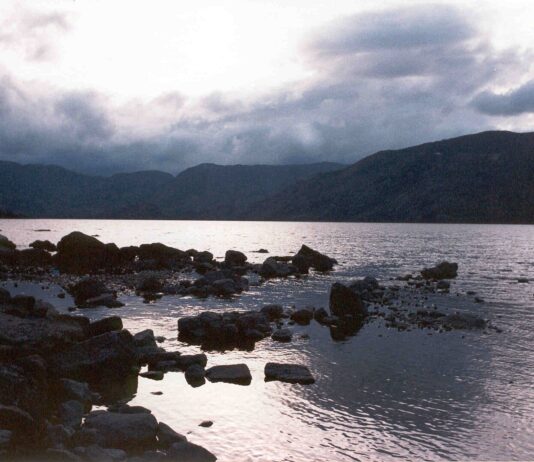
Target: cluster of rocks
[404, 308]
[153, 265]
[51, 365]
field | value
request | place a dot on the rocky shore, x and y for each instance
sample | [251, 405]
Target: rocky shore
[55, 368]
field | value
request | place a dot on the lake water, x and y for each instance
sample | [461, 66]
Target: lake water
[380, 395]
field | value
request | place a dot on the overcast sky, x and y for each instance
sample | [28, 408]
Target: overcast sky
[102, 86]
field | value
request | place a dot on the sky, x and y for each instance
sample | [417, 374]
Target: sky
[105, 86]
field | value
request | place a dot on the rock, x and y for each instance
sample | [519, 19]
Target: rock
[82, 254]
[109, 324]
[5, 243]
[87, 288]
[307, 258]
[107, 300]
[44, 245]
[282, 335]
[222, 331]
[261, 251]
[79, 391]
[206, 424]
[71, 413]
[23, 302]
[185, 361]
[41, 333]
[167, 436]
[107, 354]
[443, 270]
[443, 285]
[145, 338]
[34, 257]
[162, 256]
[127, 409]
[320, 315]
[273, 268]
[233, 373]
[273, 312]
[6, 439]
[186, 451]
[194, 375]
[5, 296]
[224, 287]
[203, 257]
[291, 373]
[463, 321]
[95, 453]
[522, 280]
[19, 422]
[364, 287]
[302, 316]
[153, 375]
[61, 455]
[124, 431]
[345, 302]
[149, 283]
[234, 258]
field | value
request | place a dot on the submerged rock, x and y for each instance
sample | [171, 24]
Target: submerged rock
[282, 335]
[290, 373]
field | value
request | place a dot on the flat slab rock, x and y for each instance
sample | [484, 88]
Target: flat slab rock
[232, 373]
[290, 373]
[124, 431]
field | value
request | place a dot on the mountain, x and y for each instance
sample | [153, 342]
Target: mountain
[210, 191]
[206, 191]
[481, 178]
[51, 191]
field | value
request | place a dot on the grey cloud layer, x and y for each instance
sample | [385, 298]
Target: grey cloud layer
[383, 80]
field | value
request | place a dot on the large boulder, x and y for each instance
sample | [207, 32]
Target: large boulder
[124, 430]
[235, 258]
[79, 253]
[101, 326]
[307, 258]
[163, 256]
[443, 270]
[112, 353]
[346, 302]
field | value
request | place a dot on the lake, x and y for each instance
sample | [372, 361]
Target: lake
[381, 394]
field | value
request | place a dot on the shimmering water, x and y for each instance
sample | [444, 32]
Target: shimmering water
[380, 395]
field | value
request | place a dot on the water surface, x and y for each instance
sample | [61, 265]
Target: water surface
[380, 395]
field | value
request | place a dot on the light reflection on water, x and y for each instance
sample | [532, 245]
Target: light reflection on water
[404, 395]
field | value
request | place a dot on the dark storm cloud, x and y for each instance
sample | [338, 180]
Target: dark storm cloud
[517, 101]
[382, 80]
[424, 26]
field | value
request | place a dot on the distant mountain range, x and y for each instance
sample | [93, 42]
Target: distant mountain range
[481, 178]
[206, 191]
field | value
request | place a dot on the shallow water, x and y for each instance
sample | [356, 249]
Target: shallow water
[380, 395]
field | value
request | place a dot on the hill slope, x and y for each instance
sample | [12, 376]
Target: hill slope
[210, 191]
[206, 191]
[482, 178]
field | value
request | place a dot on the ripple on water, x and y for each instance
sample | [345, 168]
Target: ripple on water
[403, 395]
